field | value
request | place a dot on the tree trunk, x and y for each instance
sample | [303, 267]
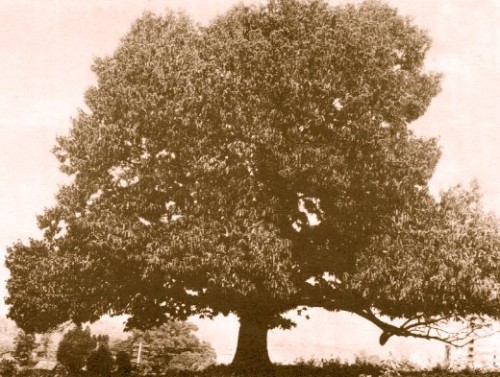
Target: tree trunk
[251, 351]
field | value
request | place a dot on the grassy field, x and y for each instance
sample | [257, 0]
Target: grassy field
[332, 371]
[328, 369]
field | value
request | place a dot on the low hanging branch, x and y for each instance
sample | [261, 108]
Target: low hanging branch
[457, 331]
[437, 328]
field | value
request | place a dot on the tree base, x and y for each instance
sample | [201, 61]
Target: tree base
[253, 371]
[252, 358]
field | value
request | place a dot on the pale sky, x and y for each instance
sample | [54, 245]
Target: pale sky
[46, 49]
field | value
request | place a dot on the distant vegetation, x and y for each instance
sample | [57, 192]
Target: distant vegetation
[170, 346]
[156, 352]
[173, 350]
[75, 347]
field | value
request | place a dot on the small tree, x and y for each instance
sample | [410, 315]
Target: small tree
[123, 363]
[100, 361]
[74, 348]
[24, 347]
[170, 346]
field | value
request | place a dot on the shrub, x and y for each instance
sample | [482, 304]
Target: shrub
[100, 362]
[123, 364]
[7, 368]
[23, 352]
[60, 371]
[74, 348]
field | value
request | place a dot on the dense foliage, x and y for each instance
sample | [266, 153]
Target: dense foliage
[8, 368]
[75, 347]
[170, 346]
[123, 364]
[257, 165]
[24, 346]
[100, 362]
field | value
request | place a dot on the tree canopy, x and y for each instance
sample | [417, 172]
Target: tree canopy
[256, 165]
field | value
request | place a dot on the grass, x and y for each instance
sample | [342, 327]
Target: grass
[301, 369]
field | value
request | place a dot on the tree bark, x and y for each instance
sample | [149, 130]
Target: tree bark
[251, 351]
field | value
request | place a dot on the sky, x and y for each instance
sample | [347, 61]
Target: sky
[47, 48]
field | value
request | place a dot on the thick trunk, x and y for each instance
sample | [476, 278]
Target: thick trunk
[251, 351]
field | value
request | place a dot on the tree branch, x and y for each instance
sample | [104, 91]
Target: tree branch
[435, 328]
[334, 297]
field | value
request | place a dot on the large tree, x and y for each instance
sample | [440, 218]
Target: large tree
[256, 165]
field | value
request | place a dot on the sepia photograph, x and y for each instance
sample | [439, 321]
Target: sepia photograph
[224, 188]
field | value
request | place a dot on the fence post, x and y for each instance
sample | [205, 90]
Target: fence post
[447, 356]
[470, 355]
[139, 351]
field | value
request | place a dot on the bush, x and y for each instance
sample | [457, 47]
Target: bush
[100, 362]
[123, 364]
[8, 368]
[74, 348]
[60, 371]
[23, 352]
